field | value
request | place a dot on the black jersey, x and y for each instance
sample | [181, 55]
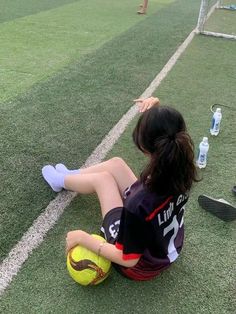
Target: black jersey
[152, 229]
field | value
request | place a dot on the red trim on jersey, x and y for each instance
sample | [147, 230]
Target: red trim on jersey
[131, 256]
[126, 257]
[119, 246]
[153, 214]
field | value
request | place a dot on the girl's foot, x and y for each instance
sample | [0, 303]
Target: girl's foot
[53, 178]
[220, 208]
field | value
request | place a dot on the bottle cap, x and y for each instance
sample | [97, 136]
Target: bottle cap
[218, 109]
[205, 139]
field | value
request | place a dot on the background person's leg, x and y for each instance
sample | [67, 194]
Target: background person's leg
[143, 7]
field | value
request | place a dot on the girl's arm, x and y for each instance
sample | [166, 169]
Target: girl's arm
[107, 250]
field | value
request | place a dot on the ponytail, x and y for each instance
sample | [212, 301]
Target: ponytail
[161, 132]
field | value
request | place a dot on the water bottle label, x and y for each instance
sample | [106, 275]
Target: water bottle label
[202, 157]
[217, 126]
[212, 123]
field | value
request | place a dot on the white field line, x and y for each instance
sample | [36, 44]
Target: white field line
[35, 235]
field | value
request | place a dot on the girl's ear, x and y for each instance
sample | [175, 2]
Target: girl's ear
[147, 154]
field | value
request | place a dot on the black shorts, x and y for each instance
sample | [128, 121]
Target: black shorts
[111, 224]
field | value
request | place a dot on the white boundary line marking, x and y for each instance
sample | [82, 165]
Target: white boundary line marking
[35, 235]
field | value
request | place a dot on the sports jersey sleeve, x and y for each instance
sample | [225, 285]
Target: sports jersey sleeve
[132, 236]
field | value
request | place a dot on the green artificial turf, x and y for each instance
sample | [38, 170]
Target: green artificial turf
[36, 46]
[202, 279]
[66, 117]
[14, 9]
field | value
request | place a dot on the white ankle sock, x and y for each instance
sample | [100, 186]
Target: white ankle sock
[63, 169]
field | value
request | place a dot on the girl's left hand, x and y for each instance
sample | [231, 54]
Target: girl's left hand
[74, 238]
[147, 103]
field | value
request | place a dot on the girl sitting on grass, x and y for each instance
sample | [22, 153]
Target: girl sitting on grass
[142, 217]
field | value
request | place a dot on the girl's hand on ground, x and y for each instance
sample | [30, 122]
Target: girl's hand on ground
[145, 104]
[73, 238]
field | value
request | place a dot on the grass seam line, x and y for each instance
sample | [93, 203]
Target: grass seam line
[35, 235]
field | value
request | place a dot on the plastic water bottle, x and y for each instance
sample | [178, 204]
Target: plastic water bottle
[202, 153]
[215, 124]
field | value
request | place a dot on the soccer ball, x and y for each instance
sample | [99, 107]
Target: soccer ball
[86, 267]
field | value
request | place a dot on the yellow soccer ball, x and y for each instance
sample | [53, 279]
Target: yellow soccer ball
[86, 267]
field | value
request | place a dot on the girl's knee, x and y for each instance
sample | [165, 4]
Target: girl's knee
[104, 176]
[118, 161]
[101, 180]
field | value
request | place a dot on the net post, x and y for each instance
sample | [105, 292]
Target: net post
[202, 16]
[219, 4]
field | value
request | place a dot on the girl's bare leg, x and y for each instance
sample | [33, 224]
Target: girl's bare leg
[118, 168]
[101, 183]
[108, 179]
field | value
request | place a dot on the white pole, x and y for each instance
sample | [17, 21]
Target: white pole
[202, 16]
[219, 35]
[219, 3]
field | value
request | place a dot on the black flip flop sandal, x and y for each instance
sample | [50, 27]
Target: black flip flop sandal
[234, 190]
[220, 208]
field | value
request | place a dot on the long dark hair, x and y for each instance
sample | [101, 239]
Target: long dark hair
[161, 133]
